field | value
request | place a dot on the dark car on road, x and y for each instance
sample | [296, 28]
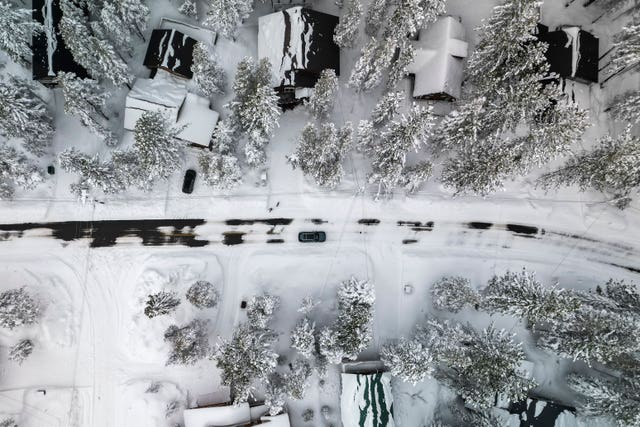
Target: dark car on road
[189, 180]
[312, 236]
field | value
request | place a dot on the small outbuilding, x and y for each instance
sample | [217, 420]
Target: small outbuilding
[366, 400]
[437, 67]
[229, 415]
[298, 42]
[170, 50]
[50, 55]
[572, 53]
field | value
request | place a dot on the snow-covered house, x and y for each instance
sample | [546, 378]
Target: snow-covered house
[535, 412]
[169, 95]
[366, 400]
[170, 50]
[229, 415]
[438, 63]
[572, 53]
[50, 55]
[298, 42]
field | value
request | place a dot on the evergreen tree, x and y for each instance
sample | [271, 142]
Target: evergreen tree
[321, 101]
[203, 294]
[93, 173]
[398, 71]
[303, 337]
[18, 308]
[387, 107]
[246, 358]
[207, 73]
[375, 16]
[626, 107]
[320, 152]
[275, 395]
[159, 153]
[161, 303]
[261, 309]
[412, 15]
[366, 134]
[188, 8]
[189, 343]
[24, 115]
[224, 16]
[521, 295]
[296, 381]
[414, 176]
[368, 70]
[16, 31]
[409, 360]
[453, 293]
[220, 171]
[346, 32]
[19, 352]
[626, 53]
[625, 296]
[613, 167]
[16, 169]
[120, 19]
[9, 422]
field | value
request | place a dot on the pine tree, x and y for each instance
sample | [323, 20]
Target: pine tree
[368, 70]
[625, 296]
[398, 71]
[203, 294]
[414, 176]
[246, 358]
[189, 343]
[93, 173]
[16, 31]
[321, 101]
[296, 381]
[275, 395]
[626, 107]
[224, 16]
[261, 309]
[412, 15]
[346, 32]
[159, 153]
[366, 136]
[303, 337]
[207, 73]
[617, 398]
[18, 308]
[19, 352]
[16, 169]
[24, 115]
[375, 16]
[188, 8]
[521, 295]
[409, 360]
[220, 171]
[453, 293]
[612, 168]
[320, 152]
[387, 107]
[161, 303]
[626, 53]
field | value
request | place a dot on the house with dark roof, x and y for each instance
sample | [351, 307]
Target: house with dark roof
[170, 50]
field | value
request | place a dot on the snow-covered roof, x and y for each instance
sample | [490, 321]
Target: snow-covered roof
[196, 32]
[572, 53]
[281, 420]
[438, 62]
[366, 400]
[537, 413]
[199, 120]
[171, 50]
[298, 42]
[217, 416]
[159, 94]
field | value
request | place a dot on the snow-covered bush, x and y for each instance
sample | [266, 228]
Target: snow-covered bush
[16, 170]
[409, 360]
[261, 309]
[18, 308]
[161, 303]
[324, 94]
[207, 73]
[203, 294]
[453, 293]
[190, 343]
[303, 337]
[19, 352]
[189, 8]
[9, 422]
[346, 32]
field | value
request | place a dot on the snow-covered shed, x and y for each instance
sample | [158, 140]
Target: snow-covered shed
[572, 53]
[170, 50]
[169, 95]
[438, 63]
[298, 42]
[535, 412]
[366, 400]
[50, 55]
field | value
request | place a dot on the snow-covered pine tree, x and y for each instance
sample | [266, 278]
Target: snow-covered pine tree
[398, 70]
[296, 381]
[16, 30]
[19, 352]
[261, 309]
[302, 337]
[189, 343]
[275, 395]
[224, 16]
[614, 397]
[346, 32]
[626, 53]
[93, 173]
[207, 73]
[409, 360]
[626, 107]
[375, 16]
[414, 176]
[16, 169]
[160, 303]
[365, 136]
[612, 168]
[18, 308]
[246, 358]
[351, 332]
[453, 293]
[521, 295]
[410, 16]
[625, 295]
[220, 171]
[189, 8]
[324, 94]
[320, 152]
[159, 153]
[387, 107]
[203, 294]
[134, 14]
[24, 115]
[368, 70]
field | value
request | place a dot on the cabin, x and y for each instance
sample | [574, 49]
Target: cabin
[366, 399]
[298, 42]
[572, 53]
[50, 55]
[170, 50]
[437, 67]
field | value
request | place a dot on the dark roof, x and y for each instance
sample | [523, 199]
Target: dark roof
[538, 413]
[560, 54]
[62, 59]
[178, 59]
